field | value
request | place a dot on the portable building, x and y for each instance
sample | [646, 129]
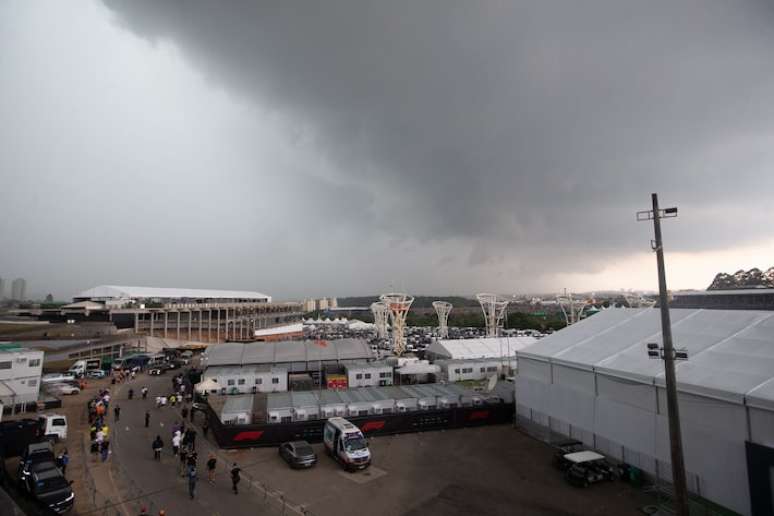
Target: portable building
[369, 374]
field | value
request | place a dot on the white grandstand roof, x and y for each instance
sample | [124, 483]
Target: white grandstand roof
[122, 292]
[497, 347]
[730, 352]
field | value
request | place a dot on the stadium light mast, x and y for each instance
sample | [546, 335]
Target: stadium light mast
[442, 308]
[381, 314]
[398, 305]
[572, 309]
[494, 310]
[669, 355]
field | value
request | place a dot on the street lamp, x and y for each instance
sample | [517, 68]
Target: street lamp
[669, 355]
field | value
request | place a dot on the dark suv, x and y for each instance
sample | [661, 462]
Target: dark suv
[35, 453]
[51, 489]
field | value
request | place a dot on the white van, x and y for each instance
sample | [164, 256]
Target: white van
[345, 443]
[54, 426]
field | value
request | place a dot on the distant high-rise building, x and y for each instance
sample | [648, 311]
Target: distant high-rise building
[18, 289]
[2, 289]
[333, 302]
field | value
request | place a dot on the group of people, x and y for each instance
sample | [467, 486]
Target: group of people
[98, 428]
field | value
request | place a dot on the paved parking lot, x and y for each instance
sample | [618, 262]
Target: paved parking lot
[490, 470]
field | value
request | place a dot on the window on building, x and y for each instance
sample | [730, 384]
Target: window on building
[275, 380]
[358, 376]
[241, 381]
[32, 383]
[368, 376]
[231, 382]
[491, 369]
[258, 381]
[457, 371]
[483, 370]
[5, 365]
[467, 370]
[35, 362]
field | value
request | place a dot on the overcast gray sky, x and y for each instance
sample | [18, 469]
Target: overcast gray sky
[351, 146]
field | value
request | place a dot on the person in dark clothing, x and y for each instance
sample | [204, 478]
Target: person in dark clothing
[157, 446]
[147, 419]
[192, 438]
[235, 477]
[131, 393]
[191, 481]
[205, 428]
[117, 413]
[62, 461]
[185, 412]
[183, 460]
[192, 458]
[211, 463]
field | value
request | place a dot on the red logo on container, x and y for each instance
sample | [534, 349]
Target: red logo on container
[373, 425]
[248, 436]
[478, 414]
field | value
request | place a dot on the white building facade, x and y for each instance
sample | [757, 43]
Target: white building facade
[242, 380]
[369, 375]
[20, 371]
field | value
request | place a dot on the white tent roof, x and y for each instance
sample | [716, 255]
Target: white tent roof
[119, 292]
[277, 330]
[480, 348]
[730, 352]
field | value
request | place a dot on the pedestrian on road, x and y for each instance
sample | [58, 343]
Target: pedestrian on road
[235, 477]
[157, 446]
[144, 392]
[172, 400]
[192, 438]
[185, 412]
[211, 463]
[175, 443]
[192, 458]
[133, 374]
[62, 461]
[105, 450]
[205, 428]
[147, 418]
[131, 393]
[191, 481]
[117, 413]
[183, 460]
[158, 401]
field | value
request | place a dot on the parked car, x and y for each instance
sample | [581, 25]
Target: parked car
[64, 389]
[563, 448]
[34, 453]
[298, 454]
[587, 468]
[51, 489]
[96, 374]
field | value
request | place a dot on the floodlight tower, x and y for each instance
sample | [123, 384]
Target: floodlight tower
[571, 308]
[381, 316]
[494, 310]
[442, 308]
[398, 305]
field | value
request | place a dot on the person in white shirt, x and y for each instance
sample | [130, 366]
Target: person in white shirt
[176, 443]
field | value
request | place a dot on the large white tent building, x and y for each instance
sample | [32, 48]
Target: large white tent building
[593, 381]
[464, 349]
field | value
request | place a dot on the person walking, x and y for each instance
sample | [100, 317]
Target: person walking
[144, 393]
[105, 450]
[172, 400]
[131, 393]
[157, 446]
[192, 438]
[183, 460]
[235, 477]
[147, 419]
[211, 463]
[185, 412]
[192, 477]
[62, 460]
[175, 443]
[117, 412]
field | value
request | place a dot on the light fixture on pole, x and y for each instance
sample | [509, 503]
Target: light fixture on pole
[669, 355]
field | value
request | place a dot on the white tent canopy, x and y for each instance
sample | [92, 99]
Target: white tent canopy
[461, 349]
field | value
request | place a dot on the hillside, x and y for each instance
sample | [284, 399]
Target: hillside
[743, 279]
[419, 301]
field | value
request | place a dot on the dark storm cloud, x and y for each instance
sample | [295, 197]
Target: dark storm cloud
[538, 123]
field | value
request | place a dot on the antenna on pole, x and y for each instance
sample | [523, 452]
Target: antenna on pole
[381, 316]
[398, 305]
[442, 308]
[572, 309]
[494, 307]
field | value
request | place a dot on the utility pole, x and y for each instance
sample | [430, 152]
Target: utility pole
[668, 354]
